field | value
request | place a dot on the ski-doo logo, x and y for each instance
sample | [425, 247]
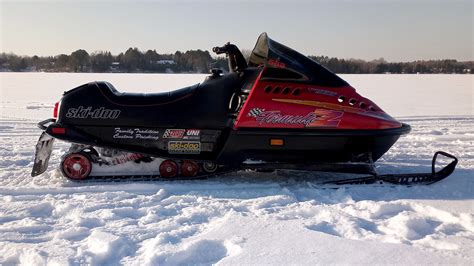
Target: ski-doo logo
[174, 134]
[275, 117]
[88, 112]
[184, 147]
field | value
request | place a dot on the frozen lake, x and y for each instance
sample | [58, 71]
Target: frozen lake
[398, 95]
[241, 218]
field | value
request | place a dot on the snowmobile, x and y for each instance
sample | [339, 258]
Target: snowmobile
[279, 110]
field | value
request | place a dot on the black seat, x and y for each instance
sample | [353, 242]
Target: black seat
[144, 99]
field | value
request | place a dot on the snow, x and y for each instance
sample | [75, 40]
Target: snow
[242, 218]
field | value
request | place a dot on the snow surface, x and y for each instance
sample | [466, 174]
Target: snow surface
[242, 218]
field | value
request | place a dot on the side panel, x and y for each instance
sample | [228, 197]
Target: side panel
[273, 104]
[309, 147]
[190, 143]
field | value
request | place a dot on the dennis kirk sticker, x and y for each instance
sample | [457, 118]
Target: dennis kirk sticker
[192, 134]
[174, 134]
[184, 147]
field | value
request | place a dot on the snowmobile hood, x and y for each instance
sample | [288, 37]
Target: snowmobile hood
[272, 54]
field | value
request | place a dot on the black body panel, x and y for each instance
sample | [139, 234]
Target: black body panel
[152, 144]
[205, 105]
[313, 146]
[233, 147]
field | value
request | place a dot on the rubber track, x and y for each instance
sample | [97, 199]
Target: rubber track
[368, 180]
[146, 178]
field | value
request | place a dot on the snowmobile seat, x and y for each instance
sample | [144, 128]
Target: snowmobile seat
[144, 99]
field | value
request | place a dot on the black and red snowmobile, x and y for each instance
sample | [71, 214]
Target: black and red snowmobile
[279, 110]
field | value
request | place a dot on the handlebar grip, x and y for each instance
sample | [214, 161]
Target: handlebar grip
[218, 50]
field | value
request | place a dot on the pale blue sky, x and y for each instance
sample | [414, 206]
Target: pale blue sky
[398, 30]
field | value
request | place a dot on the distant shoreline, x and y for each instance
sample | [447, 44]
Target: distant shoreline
[199, 61]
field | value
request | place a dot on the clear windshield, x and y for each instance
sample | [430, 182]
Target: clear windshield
[272, 54]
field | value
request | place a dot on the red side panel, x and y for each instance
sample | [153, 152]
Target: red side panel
[295, 105]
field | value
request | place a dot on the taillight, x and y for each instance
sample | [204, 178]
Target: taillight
[56, 110]
[58, 130]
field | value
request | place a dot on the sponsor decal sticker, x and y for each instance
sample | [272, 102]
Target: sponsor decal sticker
[184, 147]
[322, 92]
[174, 133]
[136, 133]
[125, 157]
[192, 134]
[88, 112]
[276, 63]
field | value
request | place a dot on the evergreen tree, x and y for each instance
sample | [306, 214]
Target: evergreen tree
[79, 60]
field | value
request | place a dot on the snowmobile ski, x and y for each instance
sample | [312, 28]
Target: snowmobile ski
[406, 179]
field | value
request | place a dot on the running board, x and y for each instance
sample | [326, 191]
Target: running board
[406, 179]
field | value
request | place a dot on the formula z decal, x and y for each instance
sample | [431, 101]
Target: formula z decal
[317, 118]
[276, 117]
[184, 147]
[87, 112]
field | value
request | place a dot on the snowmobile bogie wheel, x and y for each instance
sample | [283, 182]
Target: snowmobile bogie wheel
[189, 168]
[209, 167]
[91, 151]
[92, 154]
[168, 169]
[76, 166]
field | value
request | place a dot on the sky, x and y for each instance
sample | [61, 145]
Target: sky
[397, 30]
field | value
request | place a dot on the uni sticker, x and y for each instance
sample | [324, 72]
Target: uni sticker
[192, 134]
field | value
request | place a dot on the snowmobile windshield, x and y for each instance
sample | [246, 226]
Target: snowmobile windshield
[286, 63]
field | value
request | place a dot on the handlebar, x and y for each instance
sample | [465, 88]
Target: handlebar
[221, 50]
[236, 59]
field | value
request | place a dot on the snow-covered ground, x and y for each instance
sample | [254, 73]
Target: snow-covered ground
[242, 218]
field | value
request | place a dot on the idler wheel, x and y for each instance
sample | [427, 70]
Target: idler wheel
[168, 169]
[76, 166]
[209, 167]
[189, 168]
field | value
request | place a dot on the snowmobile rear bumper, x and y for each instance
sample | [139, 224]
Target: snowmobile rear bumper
[42, 124]
[44, 148]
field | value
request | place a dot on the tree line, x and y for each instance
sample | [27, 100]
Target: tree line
[379, 66]
[197, 61]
